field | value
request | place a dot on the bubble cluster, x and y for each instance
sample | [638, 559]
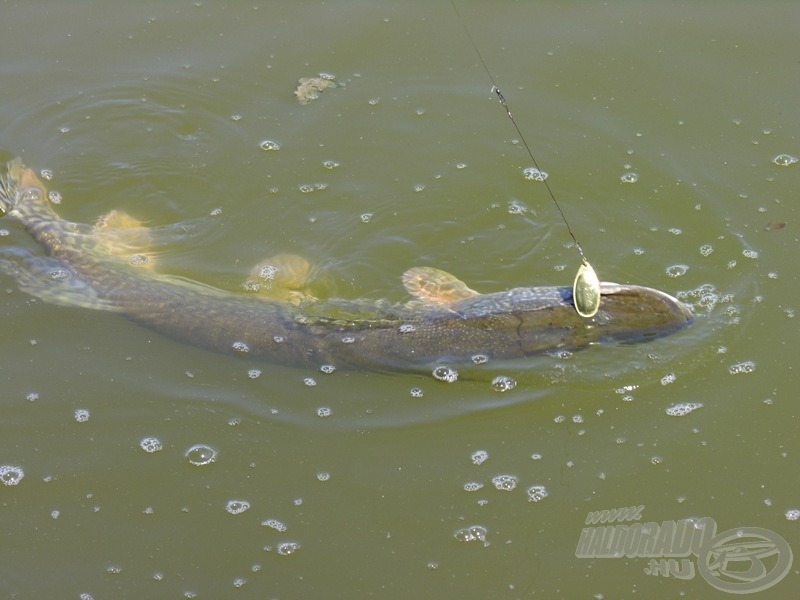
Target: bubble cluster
[537, 493]
[747, 366]
[201, 455]
[793, 514]
[473, 533]
[504, 383]
[683, 408]
[446, 374]
[504, 482]
[747, 253]
[706, 249]
[151, 444]
[307, 188]
[11, 474]
[237, 507]
[472, 486]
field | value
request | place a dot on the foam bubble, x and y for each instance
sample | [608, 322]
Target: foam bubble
[534, 174]
[274, 524]
[201, 455]
[11, 474]
[81, 415]
[537, 493]
[151, 444]
[677, 270]
[683, 408]
[237, 507]
[747, 366]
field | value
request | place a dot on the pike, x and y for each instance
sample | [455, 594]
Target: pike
[104, 267]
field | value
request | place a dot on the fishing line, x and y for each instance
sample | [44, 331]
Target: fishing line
[586, 289]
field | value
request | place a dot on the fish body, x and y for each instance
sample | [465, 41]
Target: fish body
[447, 322]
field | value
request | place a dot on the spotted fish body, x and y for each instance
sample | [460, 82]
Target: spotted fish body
[80, 267]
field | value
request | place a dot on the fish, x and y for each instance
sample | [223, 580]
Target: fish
[105, 267]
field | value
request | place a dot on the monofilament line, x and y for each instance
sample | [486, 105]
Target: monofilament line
[496, 89]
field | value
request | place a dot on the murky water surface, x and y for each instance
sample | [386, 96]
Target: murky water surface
[136, 467]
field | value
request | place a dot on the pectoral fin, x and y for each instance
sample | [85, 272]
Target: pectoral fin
[119, 234]
[434, 286]
[282, 277]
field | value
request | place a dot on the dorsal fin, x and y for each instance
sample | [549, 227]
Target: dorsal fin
[435, 286]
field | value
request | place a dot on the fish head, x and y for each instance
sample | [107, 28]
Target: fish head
[634, 313]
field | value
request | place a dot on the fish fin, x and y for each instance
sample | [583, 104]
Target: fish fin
[51, 280]
[282, 277]
[120, 234]
[434, 286]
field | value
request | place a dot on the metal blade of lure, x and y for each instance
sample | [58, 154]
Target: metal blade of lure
[586, 291]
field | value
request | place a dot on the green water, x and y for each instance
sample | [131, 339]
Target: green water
[159, 109]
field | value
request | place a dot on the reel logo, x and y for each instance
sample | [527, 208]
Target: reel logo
[739, 561]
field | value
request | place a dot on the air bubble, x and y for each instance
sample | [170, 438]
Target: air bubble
[480, 359]
[446, 374]
[54, 197]
[536, 493]
[81, 415]
[287, 548]
[310, 381]
[237, 507]
[240, 347]
[270, 145]
[327, 369]
[420, 187]
[474, 533]
[201, 455]
[461, 165]
[505, 483]
[503, 383]
[47, 174]
[151, 444]
[324, 411]
[406, 328]
[683, 408]
[58, 273]
[366, 217]
[472, 486]
[330, 164]
[11, 474]
[784, 160]
[706, 249]
[416, 392]
[749, 253]
[629, 177]
[138, 260]
[793, 514]
[323, 476]
[254, 373]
